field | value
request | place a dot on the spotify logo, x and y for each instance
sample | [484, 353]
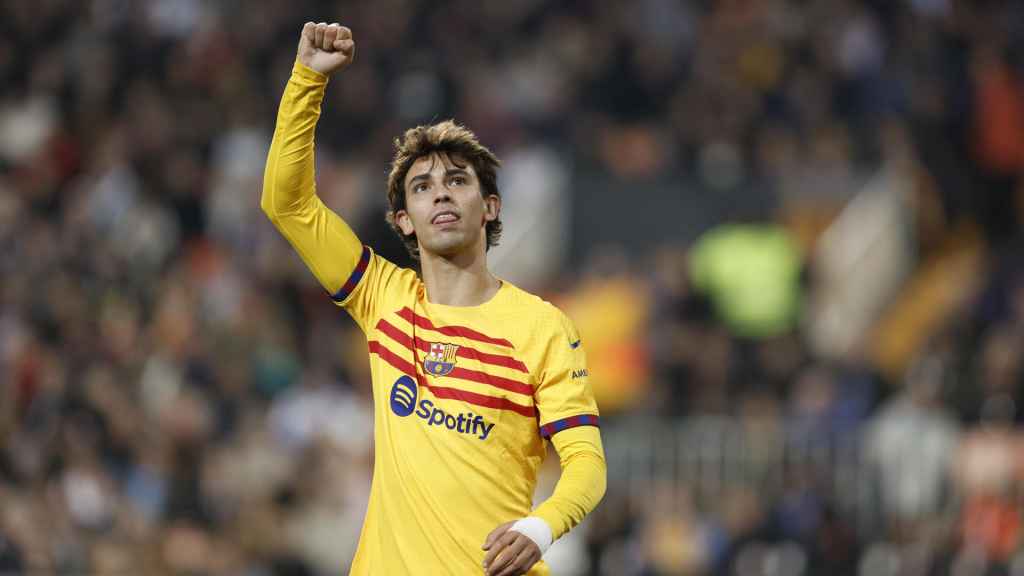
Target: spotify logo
[403, 396]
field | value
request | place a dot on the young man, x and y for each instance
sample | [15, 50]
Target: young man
[470, 373]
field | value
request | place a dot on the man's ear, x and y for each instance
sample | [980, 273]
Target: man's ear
[404, 222]
[492, 207]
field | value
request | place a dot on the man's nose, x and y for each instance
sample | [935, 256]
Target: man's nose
[442, 194]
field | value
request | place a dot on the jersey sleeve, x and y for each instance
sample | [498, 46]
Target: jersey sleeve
[563, 396]
[582, 483]
[355, 277]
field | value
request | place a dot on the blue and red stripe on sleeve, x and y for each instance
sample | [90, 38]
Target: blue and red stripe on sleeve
[354, 278]
[549, 429]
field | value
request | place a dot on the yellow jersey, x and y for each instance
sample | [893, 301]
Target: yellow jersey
[464, 397]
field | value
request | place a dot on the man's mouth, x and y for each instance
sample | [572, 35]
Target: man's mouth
[445, 217]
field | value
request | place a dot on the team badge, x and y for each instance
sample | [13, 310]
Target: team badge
[440, 361]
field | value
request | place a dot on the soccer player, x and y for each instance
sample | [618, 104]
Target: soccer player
[470, 374]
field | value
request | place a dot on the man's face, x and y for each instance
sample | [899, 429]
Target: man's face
[444, 206]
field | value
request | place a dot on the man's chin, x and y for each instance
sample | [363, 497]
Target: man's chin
[447, 249]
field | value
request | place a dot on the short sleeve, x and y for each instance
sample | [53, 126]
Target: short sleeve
[563, 396]
[374, 285]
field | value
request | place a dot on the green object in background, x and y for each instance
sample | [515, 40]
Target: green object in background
[276, 370]
[751, 274]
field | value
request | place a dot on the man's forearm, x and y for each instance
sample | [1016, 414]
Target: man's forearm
[582, 483]
[323, 240]
[289, 177]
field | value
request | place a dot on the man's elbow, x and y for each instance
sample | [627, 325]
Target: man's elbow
[267, 205]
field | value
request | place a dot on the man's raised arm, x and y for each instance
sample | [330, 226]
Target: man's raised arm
[323, 240]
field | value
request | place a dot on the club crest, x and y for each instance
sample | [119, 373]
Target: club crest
[440, 361]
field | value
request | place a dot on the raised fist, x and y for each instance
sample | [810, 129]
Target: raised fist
[326, 48]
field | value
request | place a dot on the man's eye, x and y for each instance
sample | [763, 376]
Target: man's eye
[458, 180]
[419, 188]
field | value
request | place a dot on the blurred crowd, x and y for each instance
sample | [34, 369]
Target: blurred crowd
[178, 397]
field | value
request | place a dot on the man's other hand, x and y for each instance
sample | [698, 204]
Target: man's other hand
[509, 553]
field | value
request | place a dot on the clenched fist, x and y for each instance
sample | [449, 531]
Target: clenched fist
[326, 48]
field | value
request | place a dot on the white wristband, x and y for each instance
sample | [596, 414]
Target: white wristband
[535, 529]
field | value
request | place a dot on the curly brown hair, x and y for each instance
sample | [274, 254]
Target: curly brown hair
[452, 140]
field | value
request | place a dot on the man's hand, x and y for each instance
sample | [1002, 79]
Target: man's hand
[326, 48]
[509, 553]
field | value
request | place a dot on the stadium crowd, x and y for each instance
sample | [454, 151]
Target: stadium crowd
[178, 397]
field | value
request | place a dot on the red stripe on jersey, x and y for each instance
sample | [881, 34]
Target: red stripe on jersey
[395, 360]
[492, 380]
[459, 331]
[488, 358]
[509, 384]
[482, 400]
[406, 367]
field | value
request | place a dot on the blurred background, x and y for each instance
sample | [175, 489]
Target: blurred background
[788, 230]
